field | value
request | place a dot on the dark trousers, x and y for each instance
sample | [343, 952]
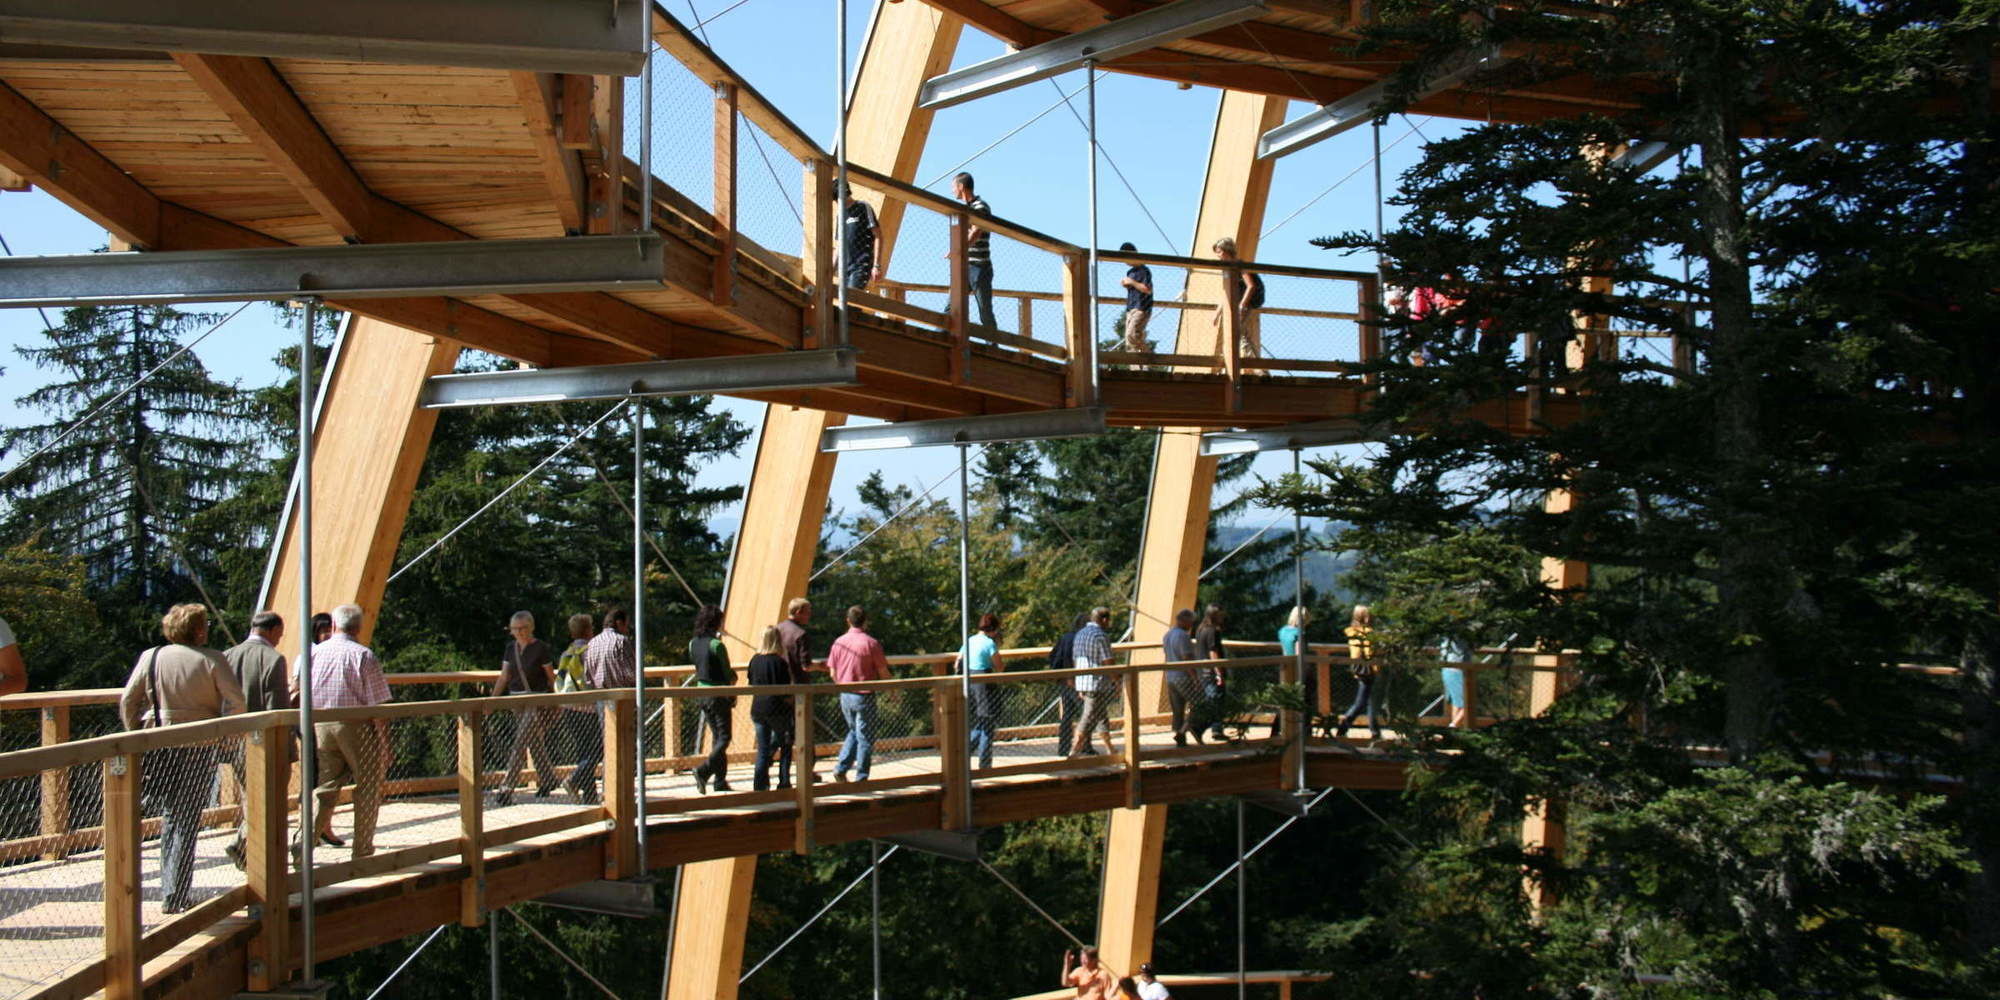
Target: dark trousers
[716, 718]
[774, 743]
[1212, 691]
[531, 736]
[1071, 707]
[1183, 700]
[979, 275]
[587, 735]
[1369, 696]
[179, 781]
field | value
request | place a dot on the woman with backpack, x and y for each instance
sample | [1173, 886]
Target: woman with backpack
[584, 724]
[1367, 674]
[1243, 295]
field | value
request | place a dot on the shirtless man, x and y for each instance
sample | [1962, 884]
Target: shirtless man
[1092, 981]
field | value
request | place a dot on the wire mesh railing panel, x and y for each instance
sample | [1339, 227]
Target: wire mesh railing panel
[1028, 720]
[51, 889]
[901, 725]
[768, 189]
[191, 800]
[529, 758]
[683, 138]
[1021, 267]
[1156, 328]
[920, 257]
[1305, 319]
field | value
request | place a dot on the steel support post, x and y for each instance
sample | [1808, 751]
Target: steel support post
[1090, 108]
[308, 740]
[965, 621]
[639, 622]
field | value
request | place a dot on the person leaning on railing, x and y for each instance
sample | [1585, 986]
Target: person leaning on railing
[346, 674]
[181, 681]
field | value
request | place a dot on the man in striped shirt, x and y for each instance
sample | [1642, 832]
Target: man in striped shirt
[978, 248]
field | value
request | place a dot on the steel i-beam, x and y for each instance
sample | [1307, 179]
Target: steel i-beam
[633, 262]
[1306, 435]
[695, 376]
[1034, 425]
[1358, 108]
[1133, 33]
[588, 37]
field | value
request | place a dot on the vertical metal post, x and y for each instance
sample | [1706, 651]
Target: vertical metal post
[1242, 903]
[840, 176]
[493, 955]
[639, 618]
[875, 909]
[308, 768]
[645, 155]
[1090, 118]
[965, 615]
[1299, 644]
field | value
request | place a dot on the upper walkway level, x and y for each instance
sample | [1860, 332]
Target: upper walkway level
[185, 151]
[477, 803]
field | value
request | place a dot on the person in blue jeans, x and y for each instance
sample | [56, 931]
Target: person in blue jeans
[981, 655]
[855, 658]
[978, 248]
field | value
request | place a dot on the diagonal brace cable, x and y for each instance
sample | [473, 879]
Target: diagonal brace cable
[525, 476]
[906, 508]
[1053, 922]
[851, 886]
[559, 953]
[1247, 855]
[406, 962]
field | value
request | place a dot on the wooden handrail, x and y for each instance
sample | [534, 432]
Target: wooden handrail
[861, 176]
[1211, 264]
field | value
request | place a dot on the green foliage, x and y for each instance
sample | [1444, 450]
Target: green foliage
[45, 599]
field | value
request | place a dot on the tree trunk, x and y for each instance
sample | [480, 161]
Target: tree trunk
[1748, 563]
[1979, 685]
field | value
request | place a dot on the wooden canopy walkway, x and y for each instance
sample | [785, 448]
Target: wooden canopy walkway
[460, 832]
[186, 151]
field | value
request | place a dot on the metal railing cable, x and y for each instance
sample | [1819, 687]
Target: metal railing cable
[121, 394]
[1247, 855]
[810, 921]
[502, 495]
[1016, 130]
[872, 532]
[784, 190]
[405, 963]
[1025, 898]
[1245, 544]
[1315, 199]
[559, 953]
[1101, 151]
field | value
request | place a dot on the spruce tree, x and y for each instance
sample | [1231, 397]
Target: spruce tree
[121, 490]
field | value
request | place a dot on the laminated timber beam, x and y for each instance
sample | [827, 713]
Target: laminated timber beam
[1235, 189]
[785, 503]
[597, 37]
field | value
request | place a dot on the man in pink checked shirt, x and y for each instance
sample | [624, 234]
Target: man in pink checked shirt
[345, 674]
[857, 657]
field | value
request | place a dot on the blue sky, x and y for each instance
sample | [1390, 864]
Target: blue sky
[1153, 132]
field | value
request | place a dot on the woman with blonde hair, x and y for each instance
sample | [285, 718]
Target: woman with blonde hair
[771, 718]
[1291, 642]
[1367, 674]
[1243, 295]
[181, 681]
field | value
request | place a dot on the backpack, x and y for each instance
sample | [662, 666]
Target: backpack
[570, 676]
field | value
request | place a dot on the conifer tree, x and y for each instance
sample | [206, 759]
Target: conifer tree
[120, 491]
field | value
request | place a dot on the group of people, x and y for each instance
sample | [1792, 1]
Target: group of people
[863, 252]
[1085, 973]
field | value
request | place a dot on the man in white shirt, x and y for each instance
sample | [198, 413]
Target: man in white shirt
[1151, 988]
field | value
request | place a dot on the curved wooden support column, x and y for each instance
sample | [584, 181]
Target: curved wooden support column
[787, 497]
[369, 443]
[1234, 194]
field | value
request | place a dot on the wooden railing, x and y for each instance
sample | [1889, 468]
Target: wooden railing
[447, 771]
